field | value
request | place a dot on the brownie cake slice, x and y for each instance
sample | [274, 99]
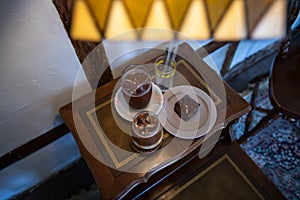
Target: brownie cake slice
[186, 107]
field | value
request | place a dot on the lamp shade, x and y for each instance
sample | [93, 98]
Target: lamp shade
[95, 20]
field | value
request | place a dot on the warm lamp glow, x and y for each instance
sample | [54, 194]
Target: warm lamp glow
[83, 26]
[118, 20]
[158, 18]
[198, 19]
[196, 11]
[272, 24]
[233, 24]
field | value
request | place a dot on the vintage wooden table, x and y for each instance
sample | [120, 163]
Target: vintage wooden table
[101, 133]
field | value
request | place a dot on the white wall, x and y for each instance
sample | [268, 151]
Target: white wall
[38, 66]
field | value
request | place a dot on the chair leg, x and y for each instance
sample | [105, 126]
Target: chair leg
[288, 118]
[256, 82]
[268, 119]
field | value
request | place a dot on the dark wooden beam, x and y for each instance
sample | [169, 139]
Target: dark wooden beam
[229, 57]
[251, 61]
[33, 145]
[210, 48]
[240, 75]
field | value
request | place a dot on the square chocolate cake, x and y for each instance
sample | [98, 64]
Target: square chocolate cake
[186, 107]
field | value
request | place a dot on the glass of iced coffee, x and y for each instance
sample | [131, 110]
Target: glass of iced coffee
[146, 132]
[136, 86]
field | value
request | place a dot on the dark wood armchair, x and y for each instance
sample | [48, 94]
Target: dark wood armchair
[285, 79]
[285, 70]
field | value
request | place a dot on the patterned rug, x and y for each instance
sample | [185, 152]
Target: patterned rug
[275, 148]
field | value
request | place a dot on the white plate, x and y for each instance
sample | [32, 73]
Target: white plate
[199, 124]
[155, 104]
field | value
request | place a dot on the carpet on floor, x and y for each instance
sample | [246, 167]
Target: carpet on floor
[275, 148]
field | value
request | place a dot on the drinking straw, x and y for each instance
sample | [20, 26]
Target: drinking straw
[171, 55]
[168, 55]
[175, 51]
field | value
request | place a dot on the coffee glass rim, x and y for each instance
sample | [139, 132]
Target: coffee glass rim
[137, 68]
[134, 66]
[152, 132]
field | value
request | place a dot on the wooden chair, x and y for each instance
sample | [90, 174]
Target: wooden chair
[284, 84]
[285, 79]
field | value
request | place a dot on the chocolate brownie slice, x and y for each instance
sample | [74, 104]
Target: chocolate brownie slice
[186, 107]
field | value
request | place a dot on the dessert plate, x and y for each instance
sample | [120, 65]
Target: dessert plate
[155, 104]
[198, 124]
